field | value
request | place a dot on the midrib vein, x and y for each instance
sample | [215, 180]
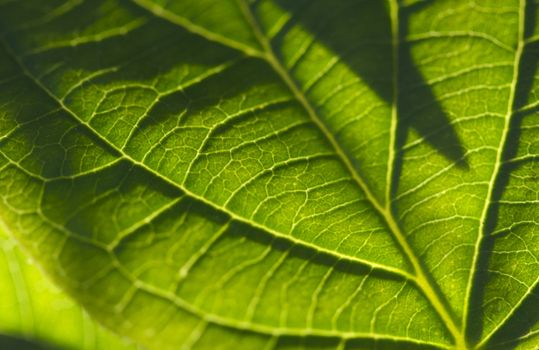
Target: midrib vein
[511, 107]
[421, 277]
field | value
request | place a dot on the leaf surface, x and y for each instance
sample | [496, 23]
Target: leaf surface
[278, 174]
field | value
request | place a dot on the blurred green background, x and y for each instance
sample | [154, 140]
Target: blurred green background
[35, 314]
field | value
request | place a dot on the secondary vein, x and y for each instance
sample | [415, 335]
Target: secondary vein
[511, 108]
[395, 44]
[123, 155]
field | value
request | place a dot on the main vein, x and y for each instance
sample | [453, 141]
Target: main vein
[483, 227]
[421, 276]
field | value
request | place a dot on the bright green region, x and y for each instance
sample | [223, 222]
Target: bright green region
[32, 308]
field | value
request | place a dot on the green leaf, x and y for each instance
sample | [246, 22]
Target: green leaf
[279, 174]
[33, 312]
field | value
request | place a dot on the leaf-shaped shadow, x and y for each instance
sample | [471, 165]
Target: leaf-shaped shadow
[360, 34]
[522, 320]
[520, 326]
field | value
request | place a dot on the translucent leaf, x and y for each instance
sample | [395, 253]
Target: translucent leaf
[279, 174]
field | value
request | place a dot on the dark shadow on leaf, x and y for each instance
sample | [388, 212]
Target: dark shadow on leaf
[520, 324]
[522, 321]
[8, 342]
[359, 33]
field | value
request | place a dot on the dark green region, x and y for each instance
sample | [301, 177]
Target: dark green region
[10, 342]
